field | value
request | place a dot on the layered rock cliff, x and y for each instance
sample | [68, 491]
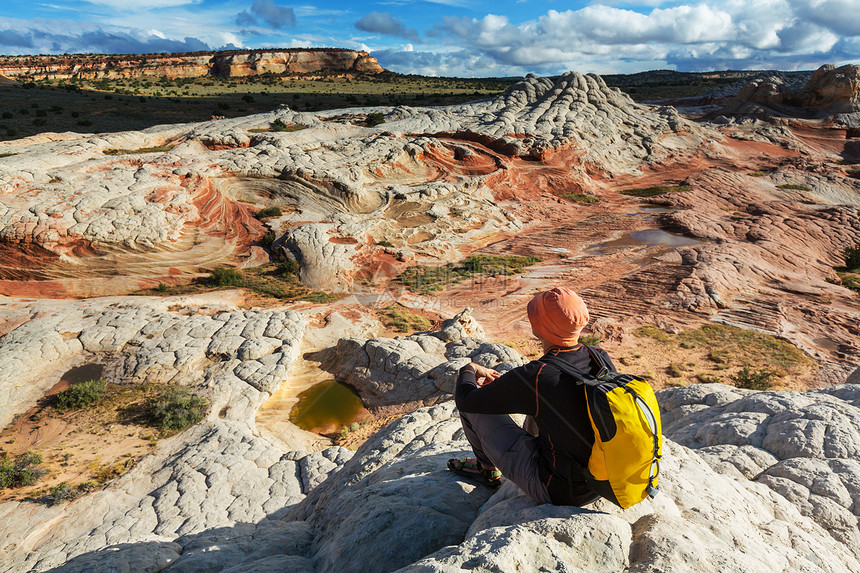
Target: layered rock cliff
[192, 65]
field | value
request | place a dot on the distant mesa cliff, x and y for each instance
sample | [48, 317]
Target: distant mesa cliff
[233, 63]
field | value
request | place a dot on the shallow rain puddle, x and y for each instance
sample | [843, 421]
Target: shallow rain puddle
[657, 209]
[650, 237]
[326, 405]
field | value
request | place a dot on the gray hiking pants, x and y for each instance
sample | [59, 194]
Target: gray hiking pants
[498, 441]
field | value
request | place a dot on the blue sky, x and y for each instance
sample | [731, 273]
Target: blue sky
[460, 37]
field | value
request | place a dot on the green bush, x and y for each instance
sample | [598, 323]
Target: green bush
[288, 267]
[62, 492]
[750, 379]
[176, 408]
[268, 212]
[795, 186]
[279, 125]
[374, 119]
[590, 339]
[21, 472]
[581, 198]
[852, 257]
[268, 239]
[225, 277]
[80, 395]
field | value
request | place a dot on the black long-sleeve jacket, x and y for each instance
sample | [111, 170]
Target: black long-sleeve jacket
[559, 408]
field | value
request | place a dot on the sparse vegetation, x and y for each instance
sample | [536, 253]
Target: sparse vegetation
[590, 339]
[268, 239]
[384, 243]
[279, 125]
[653, 191]
[751, 379]
[426, 279]
[795, 186]
[401, 319]
[64, 491]
[715, 352]
[374, 119]
[288, 267]
[267, 212]
[581, 198]
[852, 258]
[175, 408]
[756, 173]
[855, 173]
[222, 276]
[138, 103]
[7, 154]
[118, 151]
[80, 395]
[23, 471]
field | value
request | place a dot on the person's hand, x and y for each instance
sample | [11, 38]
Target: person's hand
[484, 375]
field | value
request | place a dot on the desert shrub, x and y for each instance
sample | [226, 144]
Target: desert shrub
[268, 212]
[581, 198]
[62, 492]
[288, 267]
[852, 257]
[850, 280]
[855, 173]
[426, 279]
[80, 395]
[756, 174]
[399, 318]
[21, 472]
[279, 125]
[590, 339]
[268, 239]
[795, 186]
[224, 277]
[751, 379]
[385, 243]
[176, 408]
[374, 119]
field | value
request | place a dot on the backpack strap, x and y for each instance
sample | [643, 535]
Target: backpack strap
[601, 360]
[581, 377]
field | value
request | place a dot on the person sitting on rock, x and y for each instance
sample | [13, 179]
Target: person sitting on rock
[546, 456]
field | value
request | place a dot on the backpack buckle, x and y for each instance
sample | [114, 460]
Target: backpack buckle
[652, 490]
[602, 372]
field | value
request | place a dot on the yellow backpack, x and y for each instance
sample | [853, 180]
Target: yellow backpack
[628, 440]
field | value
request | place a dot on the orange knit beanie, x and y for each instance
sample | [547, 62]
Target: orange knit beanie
[558, 316]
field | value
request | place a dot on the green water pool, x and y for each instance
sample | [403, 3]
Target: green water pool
[325, 405]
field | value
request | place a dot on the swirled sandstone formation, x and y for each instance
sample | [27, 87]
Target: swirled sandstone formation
[753, 481]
